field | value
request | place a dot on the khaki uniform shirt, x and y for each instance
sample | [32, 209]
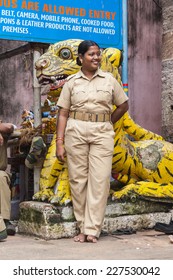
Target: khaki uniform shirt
[3, 156]
[97, 95]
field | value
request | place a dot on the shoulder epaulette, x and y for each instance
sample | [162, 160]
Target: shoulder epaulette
[70, 77]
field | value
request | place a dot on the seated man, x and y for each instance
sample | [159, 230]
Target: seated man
[6, 228]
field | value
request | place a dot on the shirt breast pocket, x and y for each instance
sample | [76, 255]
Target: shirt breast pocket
[104, 94]
[78, 94]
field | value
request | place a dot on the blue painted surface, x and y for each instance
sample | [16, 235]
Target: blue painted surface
[49, 21]
[125, 48]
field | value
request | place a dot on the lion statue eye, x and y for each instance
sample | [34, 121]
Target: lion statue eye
[65, 54]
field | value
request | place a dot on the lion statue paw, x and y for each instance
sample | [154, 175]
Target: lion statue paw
[43, 195]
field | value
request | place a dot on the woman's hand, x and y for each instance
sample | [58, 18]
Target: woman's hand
[60, 151]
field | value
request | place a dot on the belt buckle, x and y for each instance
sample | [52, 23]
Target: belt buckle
[90, 117]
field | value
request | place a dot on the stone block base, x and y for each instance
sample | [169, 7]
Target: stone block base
[46, 221]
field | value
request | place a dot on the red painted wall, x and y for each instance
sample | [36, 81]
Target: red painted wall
[144, 64]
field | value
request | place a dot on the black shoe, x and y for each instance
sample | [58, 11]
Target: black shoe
[10, 228]
[123, 231]
[166, 228]
[3, 235]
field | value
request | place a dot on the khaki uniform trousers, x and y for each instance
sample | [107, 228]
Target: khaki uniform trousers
[89, 147]
[5, 198]
[2, 224]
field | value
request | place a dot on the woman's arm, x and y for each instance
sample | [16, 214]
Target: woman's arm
[119, 112]
[60, 131]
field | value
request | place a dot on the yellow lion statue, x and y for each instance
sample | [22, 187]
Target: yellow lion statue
[142, 160]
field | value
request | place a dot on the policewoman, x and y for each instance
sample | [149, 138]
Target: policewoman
[85, 135]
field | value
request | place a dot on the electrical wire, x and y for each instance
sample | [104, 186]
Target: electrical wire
[157, 4]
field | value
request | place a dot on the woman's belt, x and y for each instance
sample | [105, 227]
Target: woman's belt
[90, 117]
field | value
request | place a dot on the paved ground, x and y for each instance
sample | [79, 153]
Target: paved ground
[144, 245]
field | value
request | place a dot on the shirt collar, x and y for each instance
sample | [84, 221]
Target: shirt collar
[99, 72]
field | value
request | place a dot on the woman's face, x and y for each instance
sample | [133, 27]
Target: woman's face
[91, 59]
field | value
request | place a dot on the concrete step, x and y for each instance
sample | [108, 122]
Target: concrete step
[47, 221]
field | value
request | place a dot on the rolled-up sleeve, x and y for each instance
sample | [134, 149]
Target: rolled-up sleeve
[64, 100]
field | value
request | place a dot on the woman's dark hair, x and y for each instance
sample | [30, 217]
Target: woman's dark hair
[83, 48]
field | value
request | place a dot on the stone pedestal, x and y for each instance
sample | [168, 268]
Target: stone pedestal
[46, 221]
[49, 222]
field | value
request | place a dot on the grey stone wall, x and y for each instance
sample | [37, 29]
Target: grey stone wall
[167, 70]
